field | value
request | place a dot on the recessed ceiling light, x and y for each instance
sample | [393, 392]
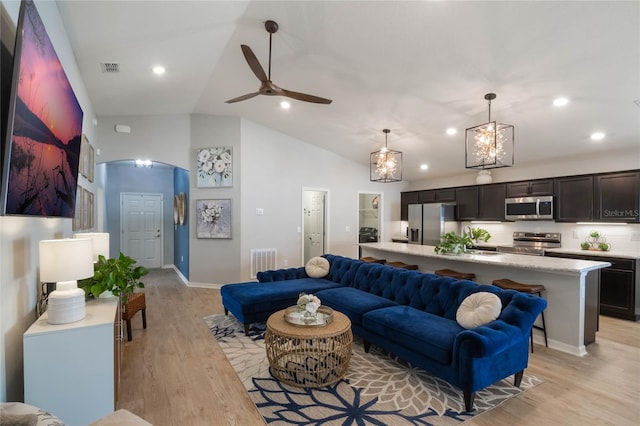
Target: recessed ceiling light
[451, 131]
[285, 104]
[559, 102]
[597, 136]
[424, 166]
[158, 70]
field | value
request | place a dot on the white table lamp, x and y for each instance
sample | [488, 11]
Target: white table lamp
[100, 243]
[64, 262]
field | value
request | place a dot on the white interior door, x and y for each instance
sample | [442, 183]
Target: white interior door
[141, 222]
[314, 224]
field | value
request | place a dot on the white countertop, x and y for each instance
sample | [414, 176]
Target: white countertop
[554, 264]
[624, 254]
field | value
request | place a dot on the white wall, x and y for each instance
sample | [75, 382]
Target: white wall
[275, 169]
[609, 161]
[215, 260]
[158, 138]
[19, 236]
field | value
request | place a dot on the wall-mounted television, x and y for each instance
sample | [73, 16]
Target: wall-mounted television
[44, 127]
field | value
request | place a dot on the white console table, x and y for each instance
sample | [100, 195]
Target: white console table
[72, 370]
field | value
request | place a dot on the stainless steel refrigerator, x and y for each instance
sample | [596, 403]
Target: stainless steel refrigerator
[428, 222]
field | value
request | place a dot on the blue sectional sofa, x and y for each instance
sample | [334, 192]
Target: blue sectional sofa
[407, 313]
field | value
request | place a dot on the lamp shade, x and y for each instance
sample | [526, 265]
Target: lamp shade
[100, 243]
[66, 260]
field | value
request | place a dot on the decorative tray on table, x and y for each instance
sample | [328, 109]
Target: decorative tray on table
[295, 316]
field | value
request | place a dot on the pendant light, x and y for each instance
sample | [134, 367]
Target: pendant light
[385, 165]
[489, 145]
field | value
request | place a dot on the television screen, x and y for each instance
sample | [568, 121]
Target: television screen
[44, 127]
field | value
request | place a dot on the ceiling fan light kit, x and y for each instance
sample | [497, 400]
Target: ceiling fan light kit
[267, 87]
[385, 165]
[489, 145]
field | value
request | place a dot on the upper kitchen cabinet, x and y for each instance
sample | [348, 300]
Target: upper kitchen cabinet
[484, 202]
[438, 195]
[617, 197]
[467, 203]
[574, 199]
[491, 202]
[406, 198]
[530, 188]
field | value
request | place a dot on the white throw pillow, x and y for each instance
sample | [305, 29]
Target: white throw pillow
[317, 267]
[478, 309]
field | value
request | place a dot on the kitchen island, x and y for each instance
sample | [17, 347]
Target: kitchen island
[572, 286]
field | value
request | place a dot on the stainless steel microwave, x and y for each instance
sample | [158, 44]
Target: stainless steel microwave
[529, 208]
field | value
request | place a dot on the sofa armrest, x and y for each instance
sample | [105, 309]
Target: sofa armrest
[281, 275]
[513, 325]
[486, 340]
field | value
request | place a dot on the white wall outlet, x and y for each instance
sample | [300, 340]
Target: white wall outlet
[635, 236]
[181, 258]
[259, 211]
[285, 262]
[299, 230]
[575, 235]
[347, 228]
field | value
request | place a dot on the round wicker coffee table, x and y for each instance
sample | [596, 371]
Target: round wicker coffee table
[309, 357]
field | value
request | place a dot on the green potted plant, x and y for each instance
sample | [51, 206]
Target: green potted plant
[118, 276]
[453, 243]
[480, 234]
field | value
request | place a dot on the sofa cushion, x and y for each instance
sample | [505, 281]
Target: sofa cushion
[431, 335]
[317, 267]
[258, 297]
[352, 302]
[478, 309]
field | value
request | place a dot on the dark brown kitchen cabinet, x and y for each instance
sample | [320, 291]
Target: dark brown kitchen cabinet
[406, 198]
[491, 202]
[467, 203]
[574, 198]
[619, 285]
[438, 195]
[484, 202]
[530, 188]
[617, 197]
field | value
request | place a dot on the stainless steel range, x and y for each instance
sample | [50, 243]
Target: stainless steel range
[532, 243]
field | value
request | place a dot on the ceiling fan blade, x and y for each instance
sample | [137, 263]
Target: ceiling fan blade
[243, 97]
[304, 97]
[253, 63]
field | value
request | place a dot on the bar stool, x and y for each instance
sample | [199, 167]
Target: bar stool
[455, 274]
[507, 284]
[403, 265]
[373, 260]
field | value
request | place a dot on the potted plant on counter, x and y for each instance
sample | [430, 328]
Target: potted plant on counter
[118, 276]
[453, 243]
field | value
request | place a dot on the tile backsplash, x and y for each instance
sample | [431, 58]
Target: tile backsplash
[620, 237]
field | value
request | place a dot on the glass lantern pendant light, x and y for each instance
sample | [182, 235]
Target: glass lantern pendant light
[489, 145]
[386, 164]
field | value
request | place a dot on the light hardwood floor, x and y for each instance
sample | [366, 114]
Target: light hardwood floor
[174, 373]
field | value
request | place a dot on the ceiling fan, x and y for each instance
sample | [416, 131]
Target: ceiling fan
[267, 87]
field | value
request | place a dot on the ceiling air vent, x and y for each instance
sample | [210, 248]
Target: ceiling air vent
[110, 67]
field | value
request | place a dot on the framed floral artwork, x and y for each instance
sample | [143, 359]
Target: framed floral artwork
[213, 218]
[215, 167]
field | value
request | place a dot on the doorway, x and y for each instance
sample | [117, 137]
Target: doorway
[369, 217]
[141, 228]
[314, 207]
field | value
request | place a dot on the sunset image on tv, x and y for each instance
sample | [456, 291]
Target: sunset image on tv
[47, 128]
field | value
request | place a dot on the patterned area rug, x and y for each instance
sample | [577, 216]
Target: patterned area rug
[378, 389]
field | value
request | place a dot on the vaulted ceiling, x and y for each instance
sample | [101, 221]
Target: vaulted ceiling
[415, 67]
